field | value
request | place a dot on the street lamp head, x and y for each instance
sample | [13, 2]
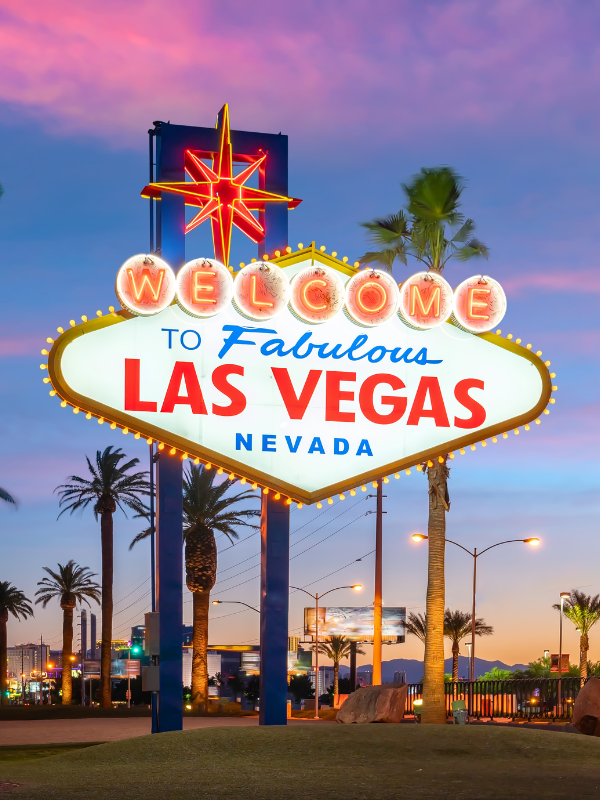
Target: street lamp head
[533, 541]
[357, 587]
[418, 537]
[565, 595]
[216, 602]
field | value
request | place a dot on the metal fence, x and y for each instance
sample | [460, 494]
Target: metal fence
[519, 698]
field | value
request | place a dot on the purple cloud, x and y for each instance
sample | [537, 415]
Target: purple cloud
[505, 64]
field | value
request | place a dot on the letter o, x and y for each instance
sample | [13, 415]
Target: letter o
[198, 339]
[371, 297]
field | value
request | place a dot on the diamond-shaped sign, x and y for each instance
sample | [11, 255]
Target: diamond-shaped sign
[306, 409]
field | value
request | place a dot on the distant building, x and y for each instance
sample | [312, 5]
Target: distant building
[399, 677]
[293, 643]
[364, 678]
[325, 679]
[24, 659]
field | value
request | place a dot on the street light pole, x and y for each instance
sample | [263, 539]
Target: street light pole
[563, 597]
[532, 540]
[235, 602]
[316, 597]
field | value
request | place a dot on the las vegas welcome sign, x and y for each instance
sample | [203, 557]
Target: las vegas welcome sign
[300, 374]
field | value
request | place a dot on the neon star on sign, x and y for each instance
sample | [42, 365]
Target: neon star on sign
[306, 405]
[222, 196]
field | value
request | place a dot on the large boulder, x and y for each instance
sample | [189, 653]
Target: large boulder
[586, 713]
[374, 704]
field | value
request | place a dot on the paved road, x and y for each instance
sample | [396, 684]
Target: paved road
[57, 731]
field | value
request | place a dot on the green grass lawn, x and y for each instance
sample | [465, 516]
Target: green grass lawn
[27, 752]
[319, 760]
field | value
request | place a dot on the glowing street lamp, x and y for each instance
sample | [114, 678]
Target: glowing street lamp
[316, 597]
[235, 602]
[532, 541]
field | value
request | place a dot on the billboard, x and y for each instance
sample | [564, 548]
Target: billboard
[300, 374]
[355, 623]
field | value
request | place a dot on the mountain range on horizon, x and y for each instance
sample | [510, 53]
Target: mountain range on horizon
[414, 668]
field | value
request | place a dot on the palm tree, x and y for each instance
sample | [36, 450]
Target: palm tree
[392, 234]
[457, 625]
[336, 648]
[4, 495]
[206, 508]
[12, 600]
[417, 625]
[584, 612]
[109, 488]
[434, 232]
[72, 584]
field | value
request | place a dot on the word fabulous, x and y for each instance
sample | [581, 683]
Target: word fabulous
[146, 285]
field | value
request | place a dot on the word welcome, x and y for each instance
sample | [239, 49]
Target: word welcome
[204, 287]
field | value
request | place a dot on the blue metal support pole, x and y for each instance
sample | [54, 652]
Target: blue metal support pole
[170, 241]
[170, 603]
[274, 605]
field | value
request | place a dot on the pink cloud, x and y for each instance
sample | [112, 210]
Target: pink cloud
[20, 345]
[114, 67]
[570, 281]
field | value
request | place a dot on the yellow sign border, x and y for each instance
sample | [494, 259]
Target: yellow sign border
[185, 446]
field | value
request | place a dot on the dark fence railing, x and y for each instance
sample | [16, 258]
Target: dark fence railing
[519, 698]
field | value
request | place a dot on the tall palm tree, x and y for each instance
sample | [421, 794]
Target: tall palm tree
[584, 612]
[336, 648]
[416, 624]
[13, 601]
[72, 584]
[110, 487]
[457, 625]
[207, 507]
[433, 232]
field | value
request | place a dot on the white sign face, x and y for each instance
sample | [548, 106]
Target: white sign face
[305, 409]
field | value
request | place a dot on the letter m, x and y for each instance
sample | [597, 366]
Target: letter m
[239, 441]
[416, 299]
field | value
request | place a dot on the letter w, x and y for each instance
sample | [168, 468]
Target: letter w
[154, 285]
[296, 406]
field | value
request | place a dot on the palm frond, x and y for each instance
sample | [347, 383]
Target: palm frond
[14, 601]
[8, 498]
[70, 580]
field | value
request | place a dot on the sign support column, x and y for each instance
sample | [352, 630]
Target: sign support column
[274, 605]
[170, 588]
[377, 605]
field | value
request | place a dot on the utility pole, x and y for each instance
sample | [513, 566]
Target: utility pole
[377, 605]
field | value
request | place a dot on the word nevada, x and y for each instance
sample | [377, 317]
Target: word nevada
[203, 288]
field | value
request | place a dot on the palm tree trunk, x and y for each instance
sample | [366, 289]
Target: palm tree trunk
[3, 657]
[336, 677]
[106, 532]
[454, 661]
[67, 676]
[584, 645]
[201, 601]
[434, 699]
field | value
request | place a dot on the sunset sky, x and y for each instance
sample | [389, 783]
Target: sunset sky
[504, 91]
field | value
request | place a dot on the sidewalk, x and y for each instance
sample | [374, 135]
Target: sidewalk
[46, 731]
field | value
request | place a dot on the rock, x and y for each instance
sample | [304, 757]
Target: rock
[374, 704]
[586, 713]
